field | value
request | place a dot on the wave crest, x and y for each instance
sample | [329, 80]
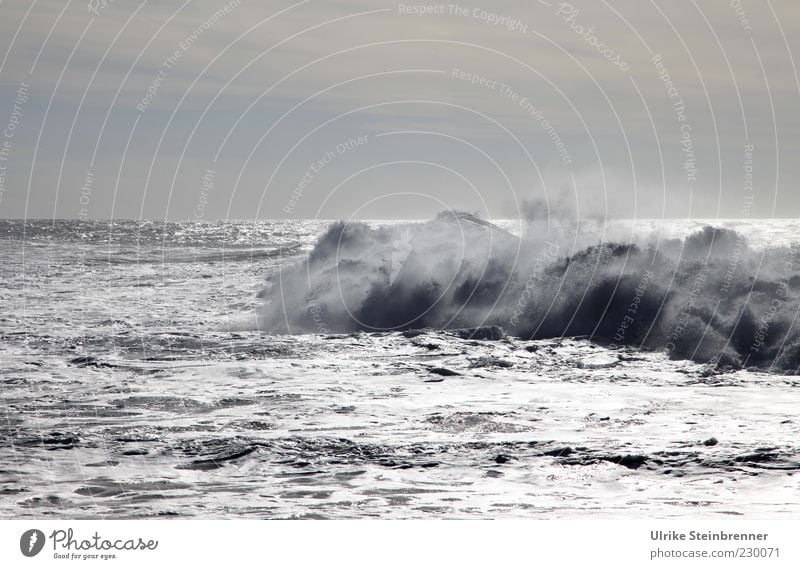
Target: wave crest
[708, 298]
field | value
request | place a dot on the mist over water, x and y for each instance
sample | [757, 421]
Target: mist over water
[709, 297]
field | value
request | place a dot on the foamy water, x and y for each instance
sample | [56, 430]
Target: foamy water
[130, 388]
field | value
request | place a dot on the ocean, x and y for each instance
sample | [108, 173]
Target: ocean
[298, 369]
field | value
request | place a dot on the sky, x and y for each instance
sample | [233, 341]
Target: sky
[349, 109]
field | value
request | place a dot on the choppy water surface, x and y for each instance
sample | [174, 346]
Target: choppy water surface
[129, 389]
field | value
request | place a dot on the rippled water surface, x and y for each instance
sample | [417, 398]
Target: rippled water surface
[130, 389]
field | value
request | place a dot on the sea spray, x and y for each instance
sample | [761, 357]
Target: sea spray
[463, 272]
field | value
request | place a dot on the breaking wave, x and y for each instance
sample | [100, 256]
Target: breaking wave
[708, 297]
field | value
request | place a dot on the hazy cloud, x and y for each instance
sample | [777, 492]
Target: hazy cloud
[475, 110]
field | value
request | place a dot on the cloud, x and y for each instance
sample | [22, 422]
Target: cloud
[233, 77]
